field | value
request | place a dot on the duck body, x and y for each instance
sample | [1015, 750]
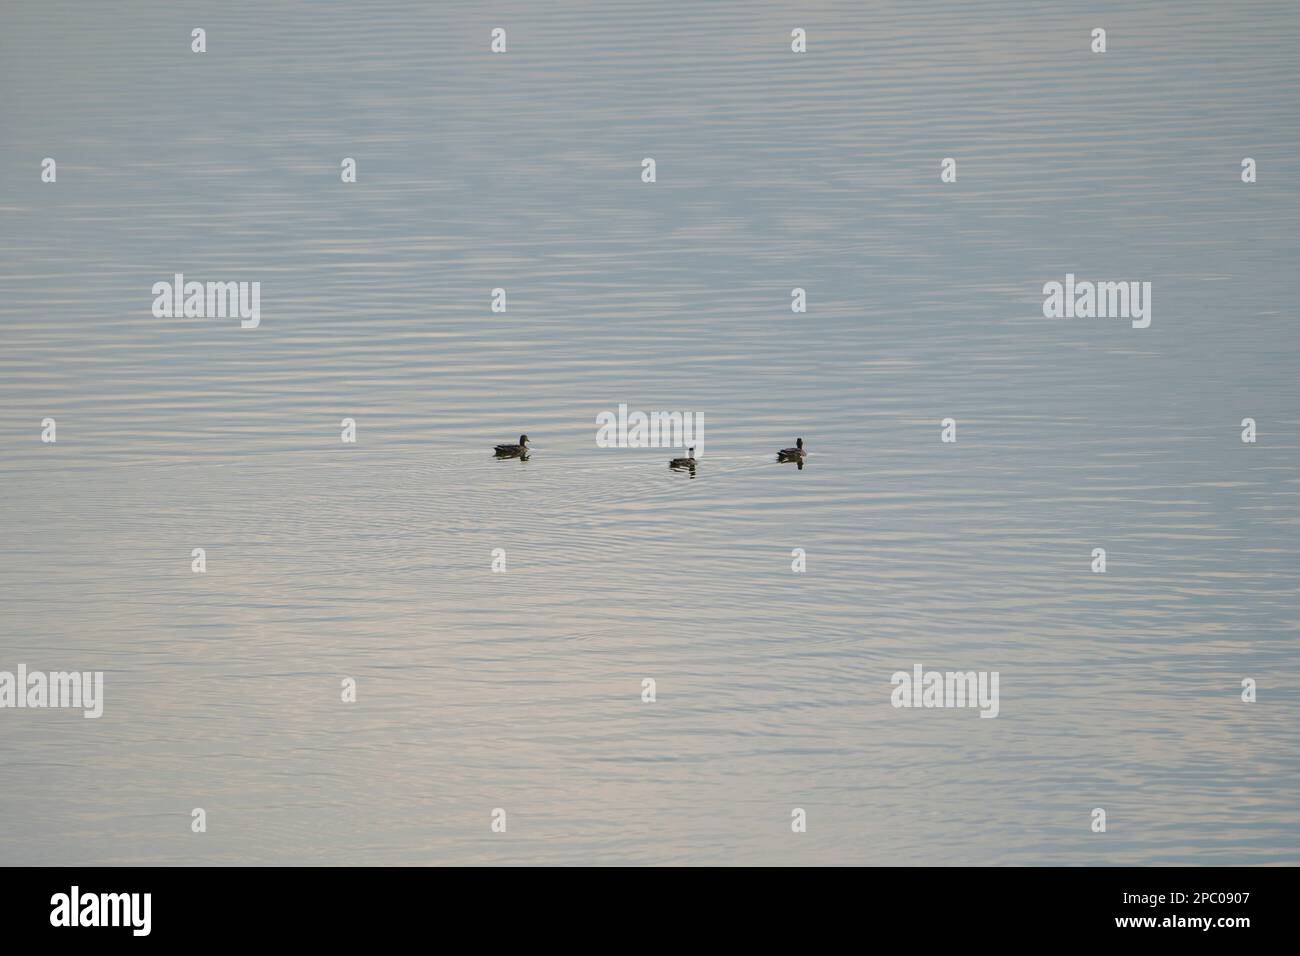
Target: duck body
[796, 453]
[514, 451]
[684, 462]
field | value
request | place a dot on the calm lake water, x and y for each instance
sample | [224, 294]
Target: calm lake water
[522, 690]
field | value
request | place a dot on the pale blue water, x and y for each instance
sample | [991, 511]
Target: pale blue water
[522, 690]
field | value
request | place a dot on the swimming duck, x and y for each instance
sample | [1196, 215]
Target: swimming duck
[514, 451]
[684, 462]
[792, 454]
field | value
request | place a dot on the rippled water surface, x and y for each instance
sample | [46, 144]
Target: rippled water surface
[522, 690]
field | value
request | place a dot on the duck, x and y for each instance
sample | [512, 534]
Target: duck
[688, 462]
[796, 453]
[514, 451]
